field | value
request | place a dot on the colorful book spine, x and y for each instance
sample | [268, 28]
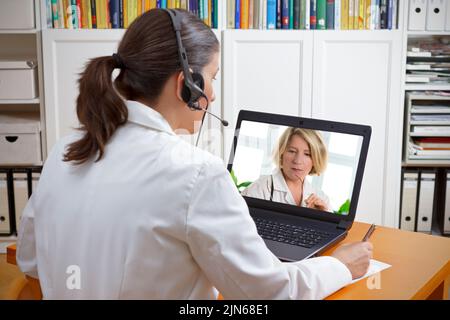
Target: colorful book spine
[55, 15]
[61, 14]
[251, 4]
[361, 15]
[291, 14]
[79, 17]
[84, 14]
[368, 14]
[215, 14]
[351, 14]
[244, 14]
[337, 14]
[284, 14]
[73, 4]
[278, 13]
[114, 13]
[230, 14]
[237, 16]
[308, 15]
[344, 14]
[49, 15]
[313, 14]
[271, 14]
[329, 16]
[390, 7]
[321, 14]
[302, 21]
[163, 4]
[296, 14]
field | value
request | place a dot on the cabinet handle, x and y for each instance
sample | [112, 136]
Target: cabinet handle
[11, 139]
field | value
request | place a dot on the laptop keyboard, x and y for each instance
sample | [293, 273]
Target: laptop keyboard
[290, 234]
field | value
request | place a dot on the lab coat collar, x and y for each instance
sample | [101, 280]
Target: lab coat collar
[148, 117]
[279, 184]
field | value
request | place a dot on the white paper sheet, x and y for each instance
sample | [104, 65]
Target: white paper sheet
[374, 267]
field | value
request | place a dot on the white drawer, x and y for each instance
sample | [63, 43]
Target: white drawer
[17, 14]
[20, 148]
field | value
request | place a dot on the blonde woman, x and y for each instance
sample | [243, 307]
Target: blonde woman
[299, 153]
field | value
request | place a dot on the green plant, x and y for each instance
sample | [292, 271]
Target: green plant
[238, 185]
[344, 208]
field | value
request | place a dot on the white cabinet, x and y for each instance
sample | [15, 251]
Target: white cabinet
[357, 79]
[66, 53]
[268, 71]
[347, 76]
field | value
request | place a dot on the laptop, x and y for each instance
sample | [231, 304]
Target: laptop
[300, 177]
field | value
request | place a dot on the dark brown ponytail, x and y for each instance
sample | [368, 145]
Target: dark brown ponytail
[148, 56]
[100, 110]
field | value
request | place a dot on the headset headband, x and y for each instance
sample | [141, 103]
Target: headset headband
[196, 92]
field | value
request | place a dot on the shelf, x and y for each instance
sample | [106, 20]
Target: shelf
[428, 33]
[430, 112]
[423, 87]
[19, 101]
[437, 123]
[18, 31]
[426, 163]
[437, 134]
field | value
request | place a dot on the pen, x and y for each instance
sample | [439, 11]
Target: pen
[369, 233]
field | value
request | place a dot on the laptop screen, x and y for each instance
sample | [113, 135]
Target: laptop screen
[296, 166]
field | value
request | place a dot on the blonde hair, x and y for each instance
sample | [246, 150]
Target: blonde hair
[319, 154]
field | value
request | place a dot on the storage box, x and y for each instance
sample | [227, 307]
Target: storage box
[20, 139]
[17, 14]
[18, 79]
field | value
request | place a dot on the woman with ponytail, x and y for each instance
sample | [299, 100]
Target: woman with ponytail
[125, 209]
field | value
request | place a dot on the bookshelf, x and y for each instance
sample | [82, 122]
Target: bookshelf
[426, 106]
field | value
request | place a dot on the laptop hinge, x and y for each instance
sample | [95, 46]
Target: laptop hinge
[343, 224]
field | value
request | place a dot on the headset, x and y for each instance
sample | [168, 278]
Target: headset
[194, 84]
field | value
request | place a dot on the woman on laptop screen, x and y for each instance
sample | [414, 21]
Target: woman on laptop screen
[298, 153]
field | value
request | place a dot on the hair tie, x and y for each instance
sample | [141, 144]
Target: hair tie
[118, 61]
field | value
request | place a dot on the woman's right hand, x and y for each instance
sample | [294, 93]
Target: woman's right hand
[356, 256]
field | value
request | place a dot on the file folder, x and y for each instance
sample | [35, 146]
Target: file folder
[447, 17]
[417, 14]
[409, 200]
[446, 222]
[20, 195]
[5, 224]
[426, 201]
[436, 15]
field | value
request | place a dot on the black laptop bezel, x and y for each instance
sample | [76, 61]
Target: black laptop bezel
[323, 125]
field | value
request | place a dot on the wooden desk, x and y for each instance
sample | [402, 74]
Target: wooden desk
[420, 265]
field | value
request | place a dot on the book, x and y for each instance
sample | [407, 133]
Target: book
[337, 14]
[321, 14]
[297, 15]
[271, 14]
[313, 15]
[278, 13]
[55, 14]
[308, 15]
[345, 14]
[284, 14]
[361, 15]
[329, 14]
[114, 13]
[431, 129]
[244, 14]
[237, 14]
[291, 14]
[250, 13]
[230, 14]
[79, 15]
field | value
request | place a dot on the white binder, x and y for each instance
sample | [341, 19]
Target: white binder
[417, 14]
[436, 15]
[5, 227]
[409, 199]
[20, 195]
[446, 222]
[426, 202]
[447, 17]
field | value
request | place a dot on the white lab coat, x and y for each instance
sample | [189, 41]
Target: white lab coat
[156, 218]
[261, 189]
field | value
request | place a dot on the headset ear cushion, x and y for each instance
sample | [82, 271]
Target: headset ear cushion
[199, 82]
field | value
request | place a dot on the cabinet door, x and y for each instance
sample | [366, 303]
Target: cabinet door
[268, 71]
[357, 80]
[65, 53]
